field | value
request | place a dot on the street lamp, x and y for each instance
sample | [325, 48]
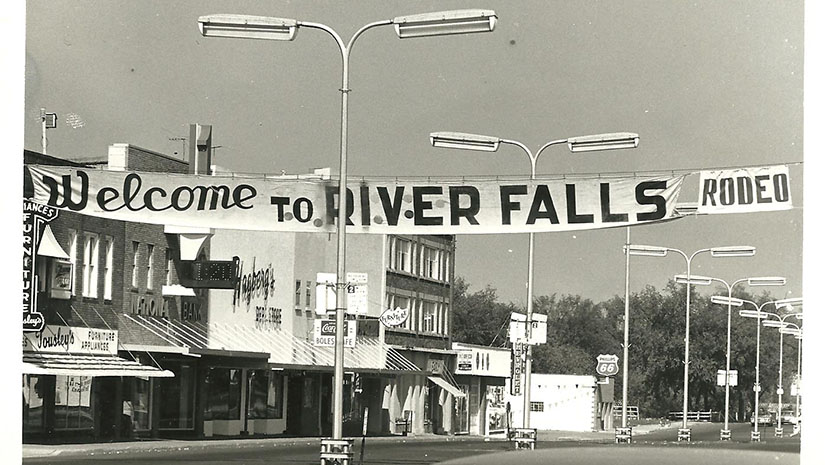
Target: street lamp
[657, 251]
[759, 281]
[422, 25]
[482, 143]
[784, 328]
[759, 315]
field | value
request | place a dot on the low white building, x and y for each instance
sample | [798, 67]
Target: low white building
[560, 402]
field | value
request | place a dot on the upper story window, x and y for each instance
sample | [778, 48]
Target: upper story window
[403, 255]
[429, 317]
[73, 257]
[308, 293]
[107, 270]
[90, 261]
[431, 258]
[150, 262]
[298, 293]
[169, 266]
[135, 248]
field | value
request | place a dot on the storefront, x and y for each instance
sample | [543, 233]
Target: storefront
[481, 372]
[76, 386]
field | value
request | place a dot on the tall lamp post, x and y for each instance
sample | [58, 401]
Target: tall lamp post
[657, 251]
[597, 142]
[759, 315]
[724, 434]
[784, 328]
[269, 28]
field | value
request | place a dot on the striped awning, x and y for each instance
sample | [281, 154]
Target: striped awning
[284, 349]
[87, 365]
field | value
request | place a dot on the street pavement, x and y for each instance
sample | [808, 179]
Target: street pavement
[427, 449]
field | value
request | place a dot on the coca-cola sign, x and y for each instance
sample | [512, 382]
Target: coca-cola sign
[325, 333]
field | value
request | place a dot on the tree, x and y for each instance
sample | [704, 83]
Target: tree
[479, 318]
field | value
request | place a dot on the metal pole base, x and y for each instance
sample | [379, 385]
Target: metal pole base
[683, 434]
[624, 435]
[756, 436]
[336, 451]
[724, 435]
[777, 432]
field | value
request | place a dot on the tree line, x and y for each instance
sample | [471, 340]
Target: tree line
[578, 330]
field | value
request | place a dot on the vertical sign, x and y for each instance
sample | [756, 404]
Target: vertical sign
[517, 366]
[35, 216]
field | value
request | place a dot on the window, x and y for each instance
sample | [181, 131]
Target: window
[177, 404]
[297, 293]
[430, 259]
[403, 260]
[169, 266]
[223, 394]
[150, 261]
[135, 247]
[429, 316]
[33, 394]
[72, 402]
[536, 406]
[90, 260]
[73, 258]
[107, 270]
[265, 395]
[397, 301]
[308, 302]
[137, 397]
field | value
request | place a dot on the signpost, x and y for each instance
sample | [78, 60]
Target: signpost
[607, 365]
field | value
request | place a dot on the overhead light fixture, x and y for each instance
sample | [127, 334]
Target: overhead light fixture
[444, 23]
[616, 140]
[248, 27]
[773, 324]
[786, 302]
[766, 281]
[733, 251]
[753, 314]
[646, 250]
[464, 141]
[695, 280]
[724, 300]
[791, 331]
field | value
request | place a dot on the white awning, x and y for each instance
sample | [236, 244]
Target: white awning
[49, 247]
[87, 365]
[444, 384]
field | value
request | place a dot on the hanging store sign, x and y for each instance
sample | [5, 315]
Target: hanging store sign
[518, 364]
[58, 339]
[393, 317]
[35, 217]
[434, 206]
[607, 365]
[744, 190]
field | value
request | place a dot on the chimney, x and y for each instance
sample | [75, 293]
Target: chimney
[200, 148]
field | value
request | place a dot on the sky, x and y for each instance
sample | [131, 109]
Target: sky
[704, 84]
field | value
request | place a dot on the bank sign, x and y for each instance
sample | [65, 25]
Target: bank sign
[58, 339]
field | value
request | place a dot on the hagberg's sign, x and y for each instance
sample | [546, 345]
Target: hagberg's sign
[434, 206]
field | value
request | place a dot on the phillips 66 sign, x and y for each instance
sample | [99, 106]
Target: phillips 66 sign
[607, 365]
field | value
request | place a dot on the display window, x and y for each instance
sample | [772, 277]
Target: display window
[72, 403]
[265, 396]
[223, 394]
[33, 393]
[177, 399]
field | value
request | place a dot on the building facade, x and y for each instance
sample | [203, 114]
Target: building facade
[250, 360]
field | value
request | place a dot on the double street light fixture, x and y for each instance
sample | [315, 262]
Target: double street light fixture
[784, 328]
[724, 434]
[483, 143]
[269, 28]
[760, 316]
[683, 433]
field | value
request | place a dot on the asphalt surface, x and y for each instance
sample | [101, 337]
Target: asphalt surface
[651, 442]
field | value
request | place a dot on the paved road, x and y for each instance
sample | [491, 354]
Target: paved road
[554, 447]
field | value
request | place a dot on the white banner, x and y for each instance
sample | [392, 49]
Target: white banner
[434, 206]
[744, 190]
